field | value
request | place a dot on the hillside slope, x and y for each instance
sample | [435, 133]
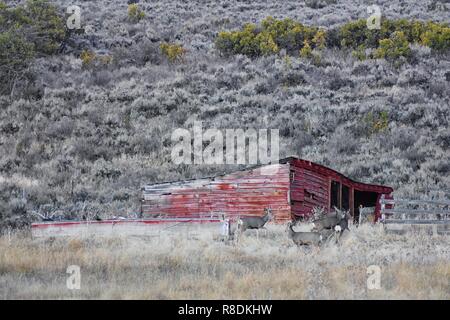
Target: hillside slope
[87, 137]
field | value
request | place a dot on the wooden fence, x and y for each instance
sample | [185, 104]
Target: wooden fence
[405, 211]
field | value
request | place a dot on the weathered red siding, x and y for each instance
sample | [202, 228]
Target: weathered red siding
[291, 188]
[243, 193]
[310, 186]
[309, 189]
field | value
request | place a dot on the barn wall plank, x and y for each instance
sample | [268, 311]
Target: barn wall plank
[243, 193]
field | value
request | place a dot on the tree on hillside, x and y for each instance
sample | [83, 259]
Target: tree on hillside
[35, 29]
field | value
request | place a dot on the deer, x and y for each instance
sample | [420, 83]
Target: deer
[335, 223]
[245, 223]
[327, 233]
[343, 223]
[330, 221]
[304, 238]
[314, 237]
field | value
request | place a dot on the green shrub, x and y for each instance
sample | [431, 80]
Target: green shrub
[173, 52]
[12, 17]
[135, 14]
[390, 41]
[436, 36]
[393, 48]
[245, 41]
[306, 51]
[38, 22]
[319, 39]
[15, 55]
[34, 29]
[269, 38]
[288, 34]
[353, 34]
[15, 51]
[360, 53]
[267, 44]
[225, 43]
[47, 26]
[87, 57]
[378, 122]
[91, 60]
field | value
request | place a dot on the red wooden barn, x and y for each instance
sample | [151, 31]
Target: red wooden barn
[292, 188]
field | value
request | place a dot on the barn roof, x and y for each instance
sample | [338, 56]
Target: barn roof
[333, 173]
[292, 160]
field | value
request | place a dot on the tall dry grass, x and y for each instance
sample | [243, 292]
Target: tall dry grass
[413, 266]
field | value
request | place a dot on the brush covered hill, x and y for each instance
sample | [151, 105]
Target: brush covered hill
[86, 116]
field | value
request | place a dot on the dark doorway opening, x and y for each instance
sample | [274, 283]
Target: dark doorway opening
[345, 197]
[335, 195]
[366, 199]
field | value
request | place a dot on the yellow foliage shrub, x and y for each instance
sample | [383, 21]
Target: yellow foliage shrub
[135, 13]
[173, 52]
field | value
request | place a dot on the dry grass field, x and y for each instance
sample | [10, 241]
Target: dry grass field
[198, 266]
